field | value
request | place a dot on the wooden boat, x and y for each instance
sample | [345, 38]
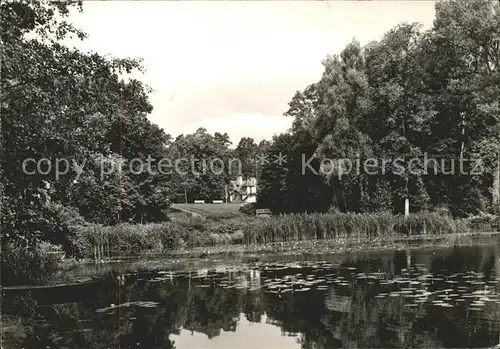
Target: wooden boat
[57, 294]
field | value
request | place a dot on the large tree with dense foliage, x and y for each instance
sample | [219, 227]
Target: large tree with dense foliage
[199, 166]
[413, 92]
[60, 103]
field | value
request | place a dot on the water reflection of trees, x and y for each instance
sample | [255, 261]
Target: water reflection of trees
[347, 317]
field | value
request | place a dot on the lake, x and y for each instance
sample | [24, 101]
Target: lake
[432, 297]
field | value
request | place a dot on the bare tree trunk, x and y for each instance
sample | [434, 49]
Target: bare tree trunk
[339, 193]
[496, 183]
[407, 207]
[462, 144]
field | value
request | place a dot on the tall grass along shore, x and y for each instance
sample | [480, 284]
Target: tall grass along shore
[96, 241]
[99, 242]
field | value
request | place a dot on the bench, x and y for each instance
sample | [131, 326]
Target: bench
[217, 201]
[263, 212]
[199, 201]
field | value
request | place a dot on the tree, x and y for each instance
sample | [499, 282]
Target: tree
[65, 105]
[200, 165]
[410, 94]
[465, 52]
[245, 152]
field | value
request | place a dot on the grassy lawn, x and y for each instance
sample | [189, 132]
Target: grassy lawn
[210, 210]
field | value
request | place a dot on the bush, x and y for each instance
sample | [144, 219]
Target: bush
[237, 237]
[173, 237]
[483, 222]
[78, 242]
[426, 223]
[50, 222]
[196, 238]
[248, 209]
[27, 265]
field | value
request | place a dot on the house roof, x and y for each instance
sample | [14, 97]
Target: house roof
[250, 182]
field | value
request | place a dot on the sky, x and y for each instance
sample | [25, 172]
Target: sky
[255, 335]
[233, 66]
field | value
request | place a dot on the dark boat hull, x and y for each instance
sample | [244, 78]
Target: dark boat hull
[59, 294]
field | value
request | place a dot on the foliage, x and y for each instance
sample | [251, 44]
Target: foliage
[201, 162]
[248, 209]
[484, 222]
[245, 151]
[411, 93]
[26, 265]
[61, 103]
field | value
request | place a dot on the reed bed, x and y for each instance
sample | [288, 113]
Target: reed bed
[296, 227]
[100, 242]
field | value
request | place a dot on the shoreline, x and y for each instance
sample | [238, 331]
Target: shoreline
[201, 257]
[332, 246]
[277, 247]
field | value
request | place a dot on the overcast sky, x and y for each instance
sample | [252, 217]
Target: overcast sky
[232, 66]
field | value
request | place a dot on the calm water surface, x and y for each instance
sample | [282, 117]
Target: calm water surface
[433, 298]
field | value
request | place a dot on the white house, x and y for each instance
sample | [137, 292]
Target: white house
[244, 191]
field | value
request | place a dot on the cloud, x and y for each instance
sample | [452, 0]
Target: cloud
[223, 99]
[257, 126]
[234, 64]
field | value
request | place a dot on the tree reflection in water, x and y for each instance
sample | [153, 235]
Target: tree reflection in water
[373, 303]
